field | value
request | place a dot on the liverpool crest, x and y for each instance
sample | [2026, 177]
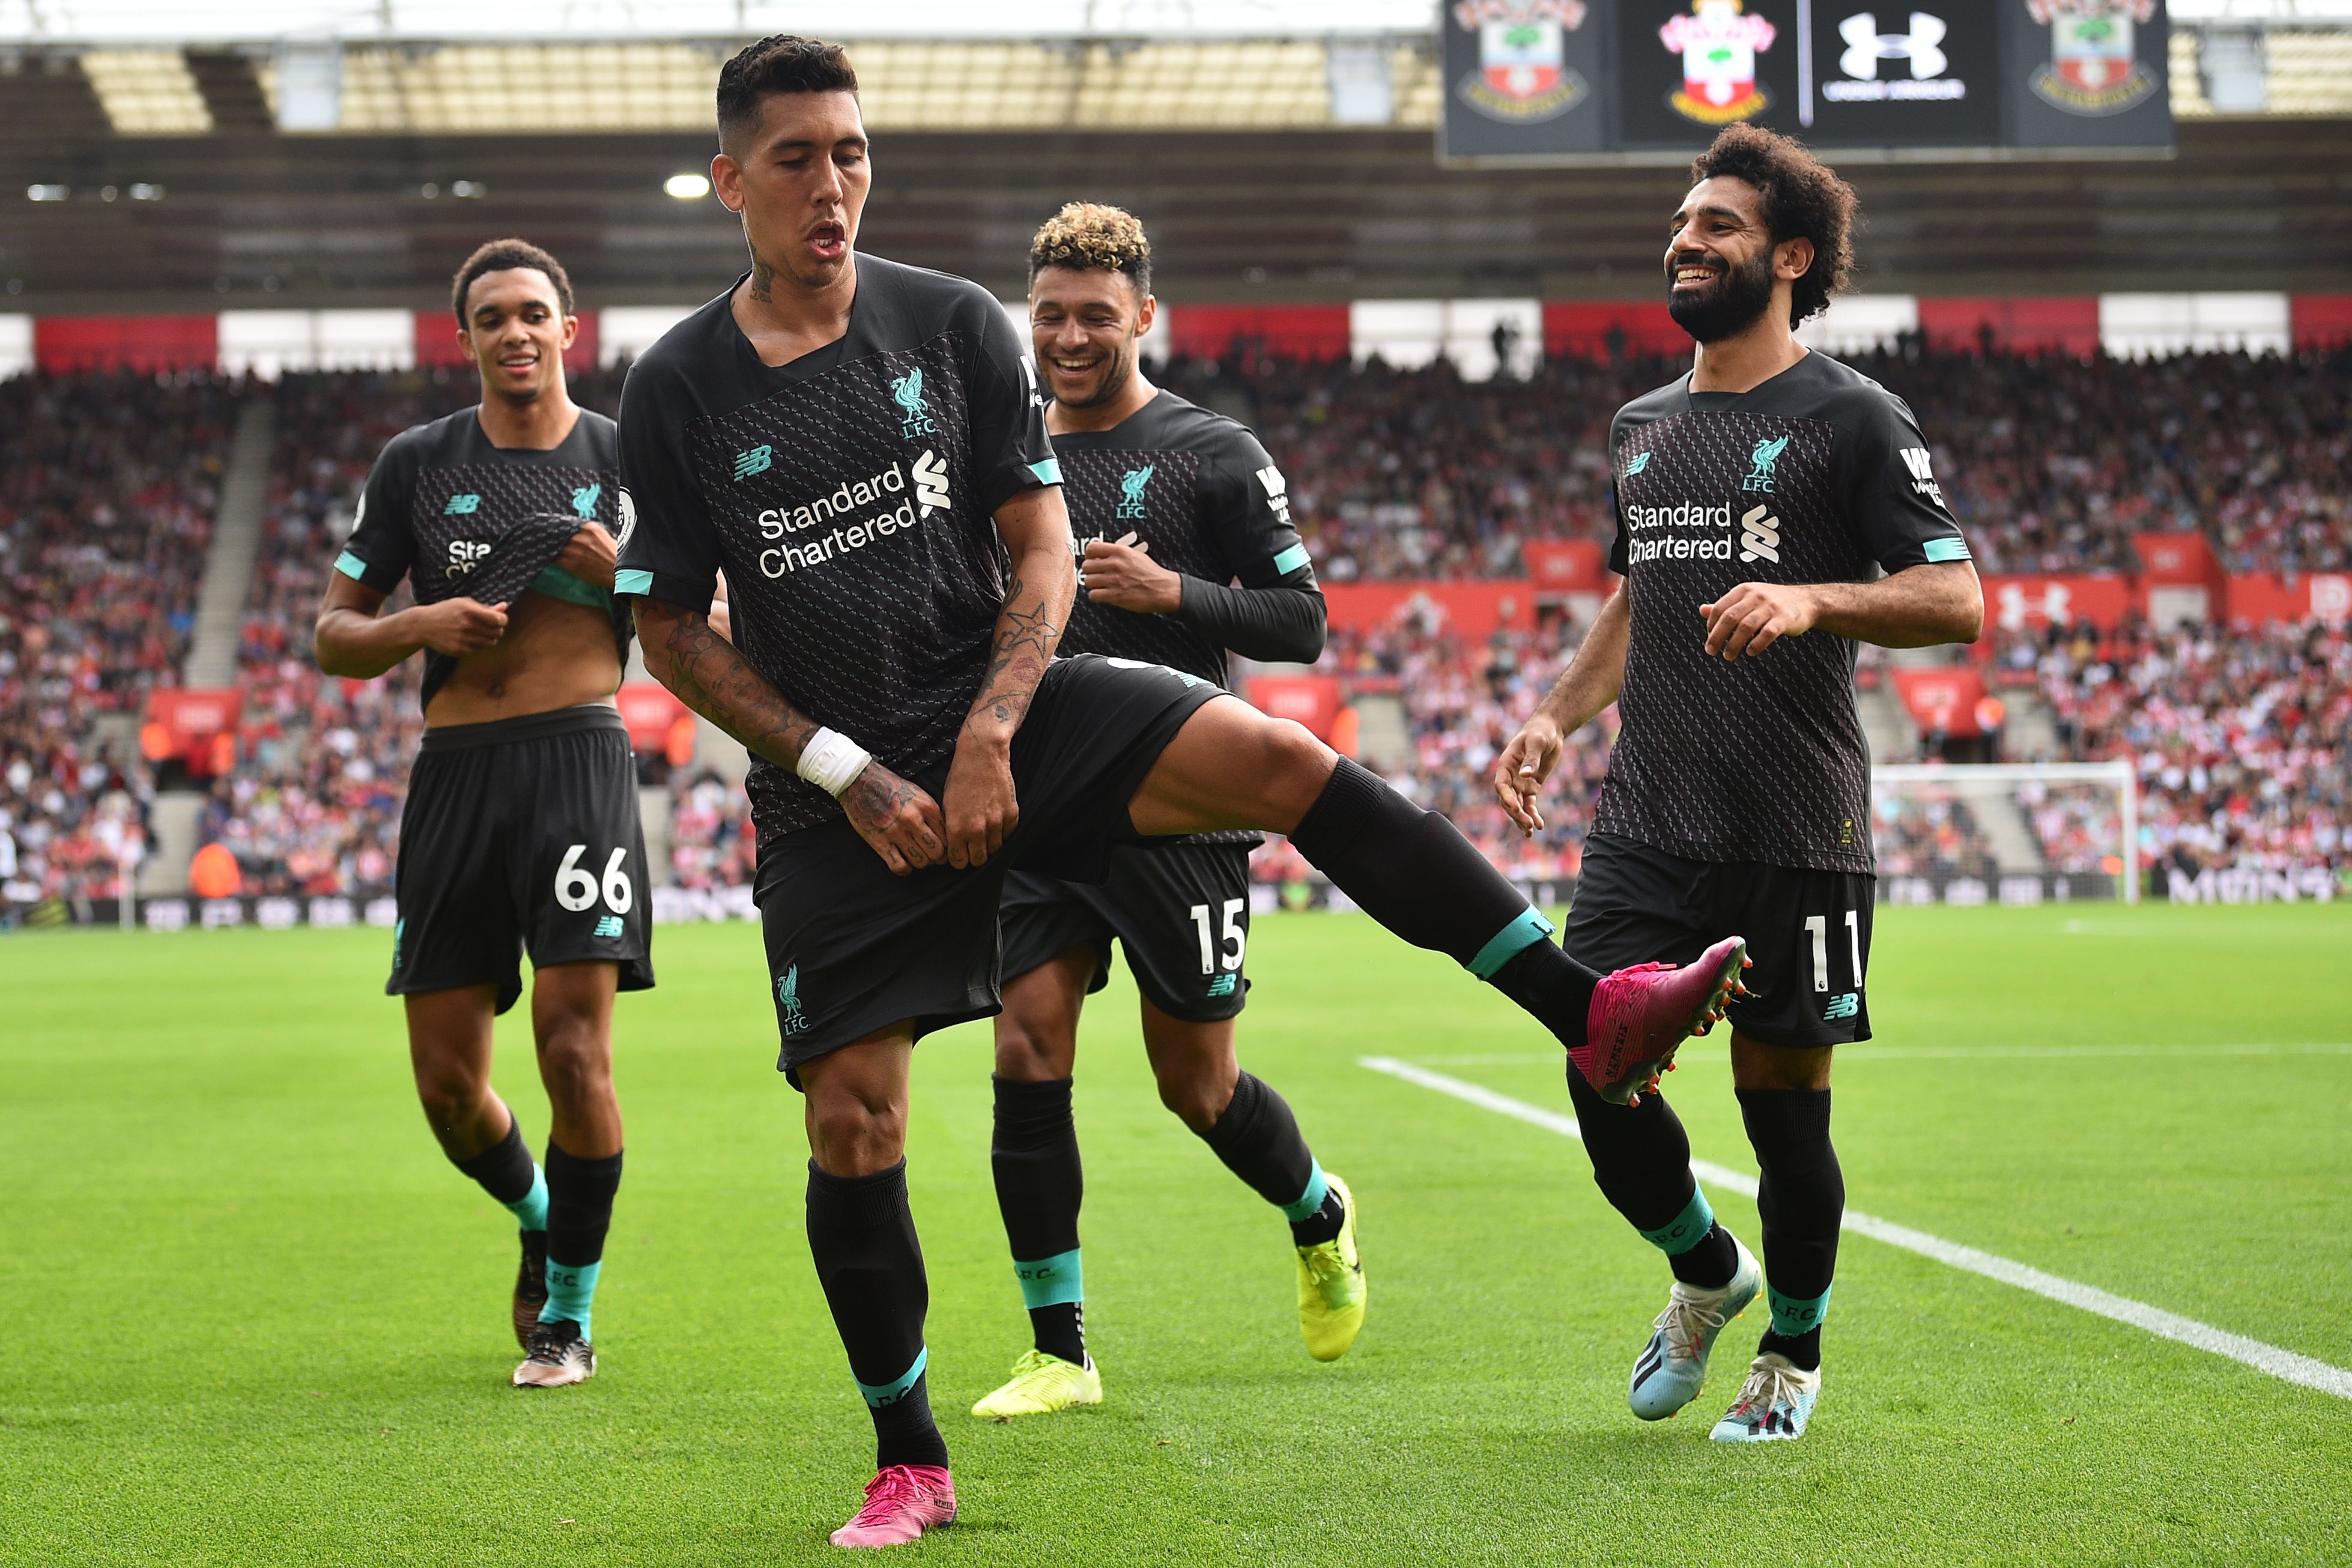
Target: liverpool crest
[907, 393]
[1718, 42]
[1523, 75]
[2094, 66]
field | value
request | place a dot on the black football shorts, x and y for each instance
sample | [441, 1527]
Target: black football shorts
[1181, 911]
[521, 834]
[852, 949]
[1808, 932]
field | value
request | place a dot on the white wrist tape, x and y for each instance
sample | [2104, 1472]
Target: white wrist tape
[832, 761]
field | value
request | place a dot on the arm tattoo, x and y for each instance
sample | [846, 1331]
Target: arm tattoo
[1025, 637]
[710, 676]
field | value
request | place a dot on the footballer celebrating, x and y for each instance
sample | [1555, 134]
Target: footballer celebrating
[1171, 506]
[521, 830]
[1759, 500]
[859, 447]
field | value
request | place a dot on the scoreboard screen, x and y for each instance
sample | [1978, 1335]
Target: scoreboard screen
[1570, 81]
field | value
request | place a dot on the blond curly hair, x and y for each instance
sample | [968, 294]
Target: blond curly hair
[1088, 235]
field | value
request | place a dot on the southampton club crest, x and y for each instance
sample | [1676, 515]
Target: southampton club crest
[2094, 68]
[1718, 42]
[1523, 77]
[907, 393]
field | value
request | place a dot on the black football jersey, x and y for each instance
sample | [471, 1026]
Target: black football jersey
[462, 519]
[1199, 490]
[1820, 475]
[850, 497]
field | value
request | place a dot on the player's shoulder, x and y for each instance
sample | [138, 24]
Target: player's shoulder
[921, 302]
[1170, 422]
[1821, 387]
[433, 442]
[676, 355]
[1653, 405]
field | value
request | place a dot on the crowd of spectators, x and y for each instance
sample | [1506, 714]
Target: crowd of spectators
[108, 484]
[2051, 464]
[2240, 739]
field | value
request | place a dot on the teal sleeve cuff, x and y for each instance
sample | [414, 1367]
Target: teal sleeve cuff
[633, 582]
[1941, 551]
[1290, 561]
[352, 567]
[1049, 472]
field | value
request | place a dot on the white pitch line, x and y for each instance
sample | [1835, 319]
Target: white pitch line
[1945, 1053]
[2285, 1364]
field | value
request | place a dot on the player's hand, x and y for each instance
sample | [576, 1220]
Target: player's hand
[459, 626]
[901, 822]
[1755, 615]
[590, 556]
[981, 809]
[1520, 771]
[1123, 575]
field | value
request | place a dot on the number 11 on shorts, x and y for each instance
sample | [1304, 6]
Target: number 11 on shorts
[1236, 938]
[1817, 927]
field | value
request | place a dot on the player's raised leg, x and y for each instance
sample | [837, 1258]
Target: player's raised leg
[449, 1052]
[1412, 871]
[572, 1019]
[1040, 1183]
[861, 1235]
[1784, 1098]
[1253, 1131]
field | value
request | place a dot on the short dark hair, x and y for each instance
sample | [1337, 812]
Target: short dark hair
[1803, 199]
[500, 255]
[781, 62]
[1088, 235]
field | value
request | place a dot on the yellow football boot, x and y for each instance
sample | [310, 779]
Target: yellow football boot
[1332, 1286]
[1042, 1384]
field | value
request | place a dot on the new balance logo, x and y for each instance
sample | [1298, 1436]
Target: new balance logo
[609, 926]
[1843, 1007]
[462, 507]
[1759, 536]
[1923, 475]
[759, 460]
[1639, 461]
[931, 483]
[583, 500]
[1223, 986]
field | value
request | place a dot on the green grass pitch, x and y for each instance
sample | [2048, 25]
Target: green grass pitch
[248, 1315]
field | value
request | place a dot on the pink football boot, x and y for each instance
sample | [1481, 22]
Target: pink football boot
[901, 1504]
[1641, 1015]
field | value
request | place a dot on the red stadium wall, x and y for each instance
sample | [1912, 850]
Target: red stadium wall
[2066, 324]
[1465, 609]
[437, 342]
[2321, 320]
[1290, 331]
[126, 342]
[1588, 328]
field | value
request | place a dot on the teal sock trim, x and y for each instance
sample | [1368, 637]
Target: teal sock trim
[1684, 1230]
[530, 1210]
[570, 1293]
[877, 1395]
[1508, 943]
[1793, 1315]
[1312, 1198]
[1051, 1281]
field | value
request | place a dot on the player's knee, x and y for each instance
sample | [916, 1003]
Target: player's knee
[855, 1138]
[1197, 1100]
[573, 1063]
[450, 1095]
[1287, 765]
[1028, 1052]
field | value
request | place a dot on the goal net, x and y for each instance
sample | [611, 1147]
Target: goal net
[2015, 834]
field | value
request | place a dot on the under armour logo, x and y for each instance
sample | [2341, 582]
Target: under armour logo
[1759, 536]
[931, 483]
[1865, 46]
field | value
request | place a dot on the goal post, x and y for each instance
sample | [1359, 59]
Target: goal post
[2012, 832]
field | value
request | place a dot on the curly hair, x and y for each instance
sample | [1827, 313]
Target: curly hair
[1088, 235]
[778, 63]
[1803, 199]
[504, 254]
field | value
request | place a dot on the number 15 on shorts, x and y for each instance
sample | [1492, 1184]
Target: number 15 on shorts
[577, 892]
[1228, 948]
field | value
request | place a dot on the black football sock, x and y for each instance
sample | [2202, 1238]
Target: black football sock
[507, 1172]
[1641, 1162]
[1039, 1185]
[1258, 1139]
[1414, 873]
[862, 1236]
[1801, 1195]
[579, 1212]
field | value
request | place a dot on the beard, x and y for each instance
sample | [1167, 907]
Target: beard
[1117, 371]
[1728, 305]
